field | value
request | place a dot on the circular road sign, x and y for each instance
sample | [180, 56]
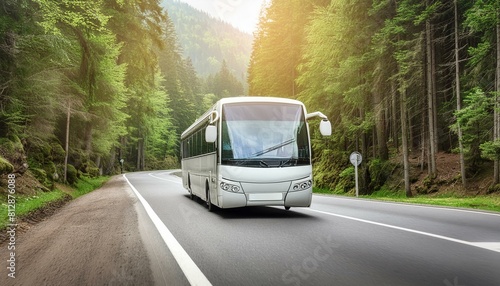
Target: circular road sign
[355, 158]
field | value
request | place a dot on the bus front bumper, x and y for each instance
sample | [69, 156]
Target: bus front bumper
[232, 200]
[287, 199]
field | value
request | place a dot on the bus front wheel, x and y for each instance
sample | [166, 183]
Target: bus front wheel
[210, 206]
[287, 208]
[191, 195]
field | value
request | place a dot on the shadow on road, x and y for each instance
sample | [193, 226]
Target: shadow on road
[260, 212]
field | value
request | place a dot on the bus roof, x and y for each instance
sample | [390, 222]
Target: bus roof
[257, 99]
[239, 99]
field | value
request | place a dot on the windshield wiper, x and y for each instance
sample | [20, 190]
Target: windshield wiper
[284, 143]
[283, 163]
[264, 164]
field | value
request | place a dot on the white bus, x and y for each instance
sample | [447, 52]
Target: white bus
[250, 151]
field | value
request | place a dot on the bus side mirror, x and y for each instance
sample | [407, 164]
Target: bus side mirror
[211, 134]
[325, 127]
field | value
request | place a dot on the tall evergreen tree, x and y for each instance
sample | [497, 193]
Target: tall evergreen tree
[277, 47]
[138, 26]
[483, 18]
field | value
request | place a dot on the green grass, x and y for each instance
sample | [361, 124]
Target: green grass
[87, 185]
[26, 204]
[482, 202]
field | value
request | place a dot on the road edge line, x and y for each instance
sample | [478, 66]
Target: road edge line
[187, 265]
[407, 230]
[412, 204]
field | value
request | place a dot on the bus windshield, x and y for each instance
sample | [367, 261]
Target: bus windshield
[264, 135]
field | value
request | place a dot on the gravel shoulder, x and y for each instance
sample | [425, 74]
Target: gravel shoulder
[93, 240]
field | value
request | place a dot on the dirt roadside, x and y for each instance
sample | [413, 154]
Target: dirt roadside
[94, 240]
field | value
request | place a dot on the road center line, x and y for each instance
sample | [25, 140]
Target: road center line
[151, 175]
[480, 245]
[189, 268]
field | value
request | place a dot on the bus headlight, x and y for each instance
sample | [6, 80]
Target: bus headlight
[224, 186]
[230, 187]
[302, 185]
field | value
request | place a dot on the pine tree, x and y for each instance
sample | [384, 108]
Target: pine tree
[277, 48]
[483, 18]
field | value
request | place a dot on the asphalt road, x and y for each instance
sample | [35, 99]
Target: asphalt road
[337, 241]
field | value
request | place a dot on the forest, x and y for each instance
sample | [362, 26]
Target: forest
[208, 41]
[401, 80]
[85, 85]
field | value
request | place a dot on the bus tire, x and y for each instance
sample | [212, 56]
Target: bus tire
[191, 195]
[210, 206]
[287, 208]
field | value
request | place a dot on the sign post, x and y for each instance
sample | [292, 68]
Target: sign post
[121, 165]
[356, 159]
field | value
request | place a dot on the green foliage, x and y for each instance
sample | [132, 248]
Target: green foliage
[491, 150]
[449, 200]
[72, 175]
[482, 16]
[224, 83]
[348, 173]
[208, 42]
[276, 51]
[347, 180]
[40, 175]
[11, 145]
[168, 163]
[379, 171]
[57, 153]
[5, 166]
[110, 69]
[28, 204]
[115, 69]
[86, 185]
[361, 62]
[75, 14]
[475, 120]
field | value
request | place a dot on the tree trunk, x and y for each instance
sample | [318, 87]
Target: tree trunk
[66, 147]
[430, 101]
[394, 112]
[88, 137]
[423, 139]
[379, 109]
[496, 131]
[143, 152]
[404, 141]
[99, 165]
[459, 99]
[140, 154]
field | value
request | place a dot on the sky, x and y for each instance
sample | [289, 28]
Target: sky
[242, 14]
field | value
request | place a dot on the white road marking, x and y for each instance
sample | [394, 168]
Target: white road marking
[177, 182]
[492, 246]
[412, 205]
[190, 269]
